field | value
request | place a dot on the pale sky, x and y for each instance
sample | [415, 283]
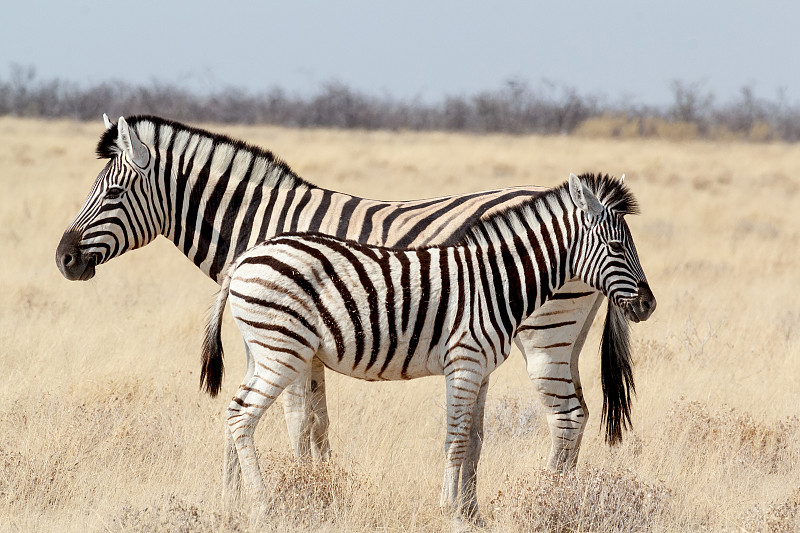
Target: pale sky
[627, 51]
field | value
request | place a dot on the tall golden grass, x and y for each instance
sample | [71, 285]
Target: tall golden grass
[104, 427]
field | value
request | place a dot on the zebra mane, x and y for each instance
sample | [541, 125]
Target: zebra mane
[611, 192]
[147, 125]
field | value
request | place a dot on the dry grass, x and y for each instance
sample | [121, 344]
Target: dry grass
[104, 428]
[591, 499]
[622, 126]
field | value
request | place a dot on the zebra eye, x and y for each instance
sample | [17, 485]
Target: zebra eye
[114, 193]
[616, 247]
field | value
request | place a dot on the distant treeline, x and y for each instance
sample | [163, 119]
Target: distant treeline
[515, 108]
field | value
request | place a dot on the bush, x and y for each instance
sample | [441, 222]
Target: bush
[736, 437]
[588, 499]
[515, 108]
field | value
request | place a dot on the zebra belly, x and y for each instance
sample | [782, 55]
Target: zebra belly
[420, 365]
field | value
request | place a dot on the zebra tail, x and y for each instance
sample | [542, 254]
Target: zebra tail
[213, 366]
[617, 374]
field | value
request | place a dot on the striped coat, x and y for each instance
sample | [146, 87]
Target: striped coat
[390, 314]
[214, 197]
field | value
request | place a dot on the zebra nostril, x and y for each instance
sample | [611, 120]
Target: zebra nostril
[67, 260]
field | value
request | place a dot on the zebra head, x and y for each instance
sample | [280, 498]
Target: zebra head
[605, 256]
[118, 215]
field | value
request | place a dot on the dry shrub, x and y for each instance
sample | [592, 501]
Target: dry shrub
[304, 495]
[628, 127]
[180, 516]
[760, 131]
[605, 125]
[673, 131]
[783, 517]
[735, 437]
[309, 493]
[514, 417]
[589, 499]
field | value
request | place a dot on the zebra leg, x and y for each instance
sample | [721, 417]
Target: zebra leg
[306, 412]
[298, 415]
[231, 471]
[569, 459]
[462, 394]
[551, 341]
[469, 470]
[271, 377]
[320, 446]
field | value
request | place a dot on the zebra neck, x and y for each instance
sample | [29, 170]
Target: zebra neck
[545, 250]
[215, 192]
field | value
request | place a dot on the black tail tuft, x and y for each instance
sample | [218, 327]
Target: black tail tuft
[213, 366]
[617, 374]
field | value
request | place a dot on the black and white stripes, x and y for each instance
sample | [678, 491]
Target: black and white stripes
[391, 314]
[214, 197]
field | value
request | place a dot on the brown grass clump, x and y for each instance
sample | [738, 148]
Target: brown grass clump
[308, 493]
[588, 499]
[736, 437]
[178, 515]
[783, 517]
[305, 496]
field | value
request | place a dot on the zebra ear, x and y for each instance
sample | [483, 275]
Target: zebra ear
[129, 141]
[583, 197]
[107, 122]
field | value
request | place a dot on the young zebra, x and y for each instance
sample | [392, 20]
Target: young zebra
[214, 197]
[389, 314]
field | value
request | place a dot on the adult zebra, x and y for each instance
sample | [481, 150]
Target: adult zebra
[388, 314]
[214, 197]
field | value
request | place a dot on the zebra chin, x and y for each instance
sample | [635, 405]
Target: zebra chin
[72, 263]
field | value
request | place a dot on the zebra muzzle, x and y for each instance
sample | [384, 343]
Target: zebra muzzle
[72, 263]
[642, 305]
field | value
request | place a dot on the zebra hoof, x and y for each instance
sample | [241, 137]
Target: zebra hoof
[460, 524]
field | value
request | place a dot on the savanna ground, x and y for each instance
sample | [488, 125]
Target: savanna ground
[103, 426]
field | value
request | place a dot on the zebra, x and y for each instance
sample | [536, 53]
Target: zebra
[214, 197]
[378, 313]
